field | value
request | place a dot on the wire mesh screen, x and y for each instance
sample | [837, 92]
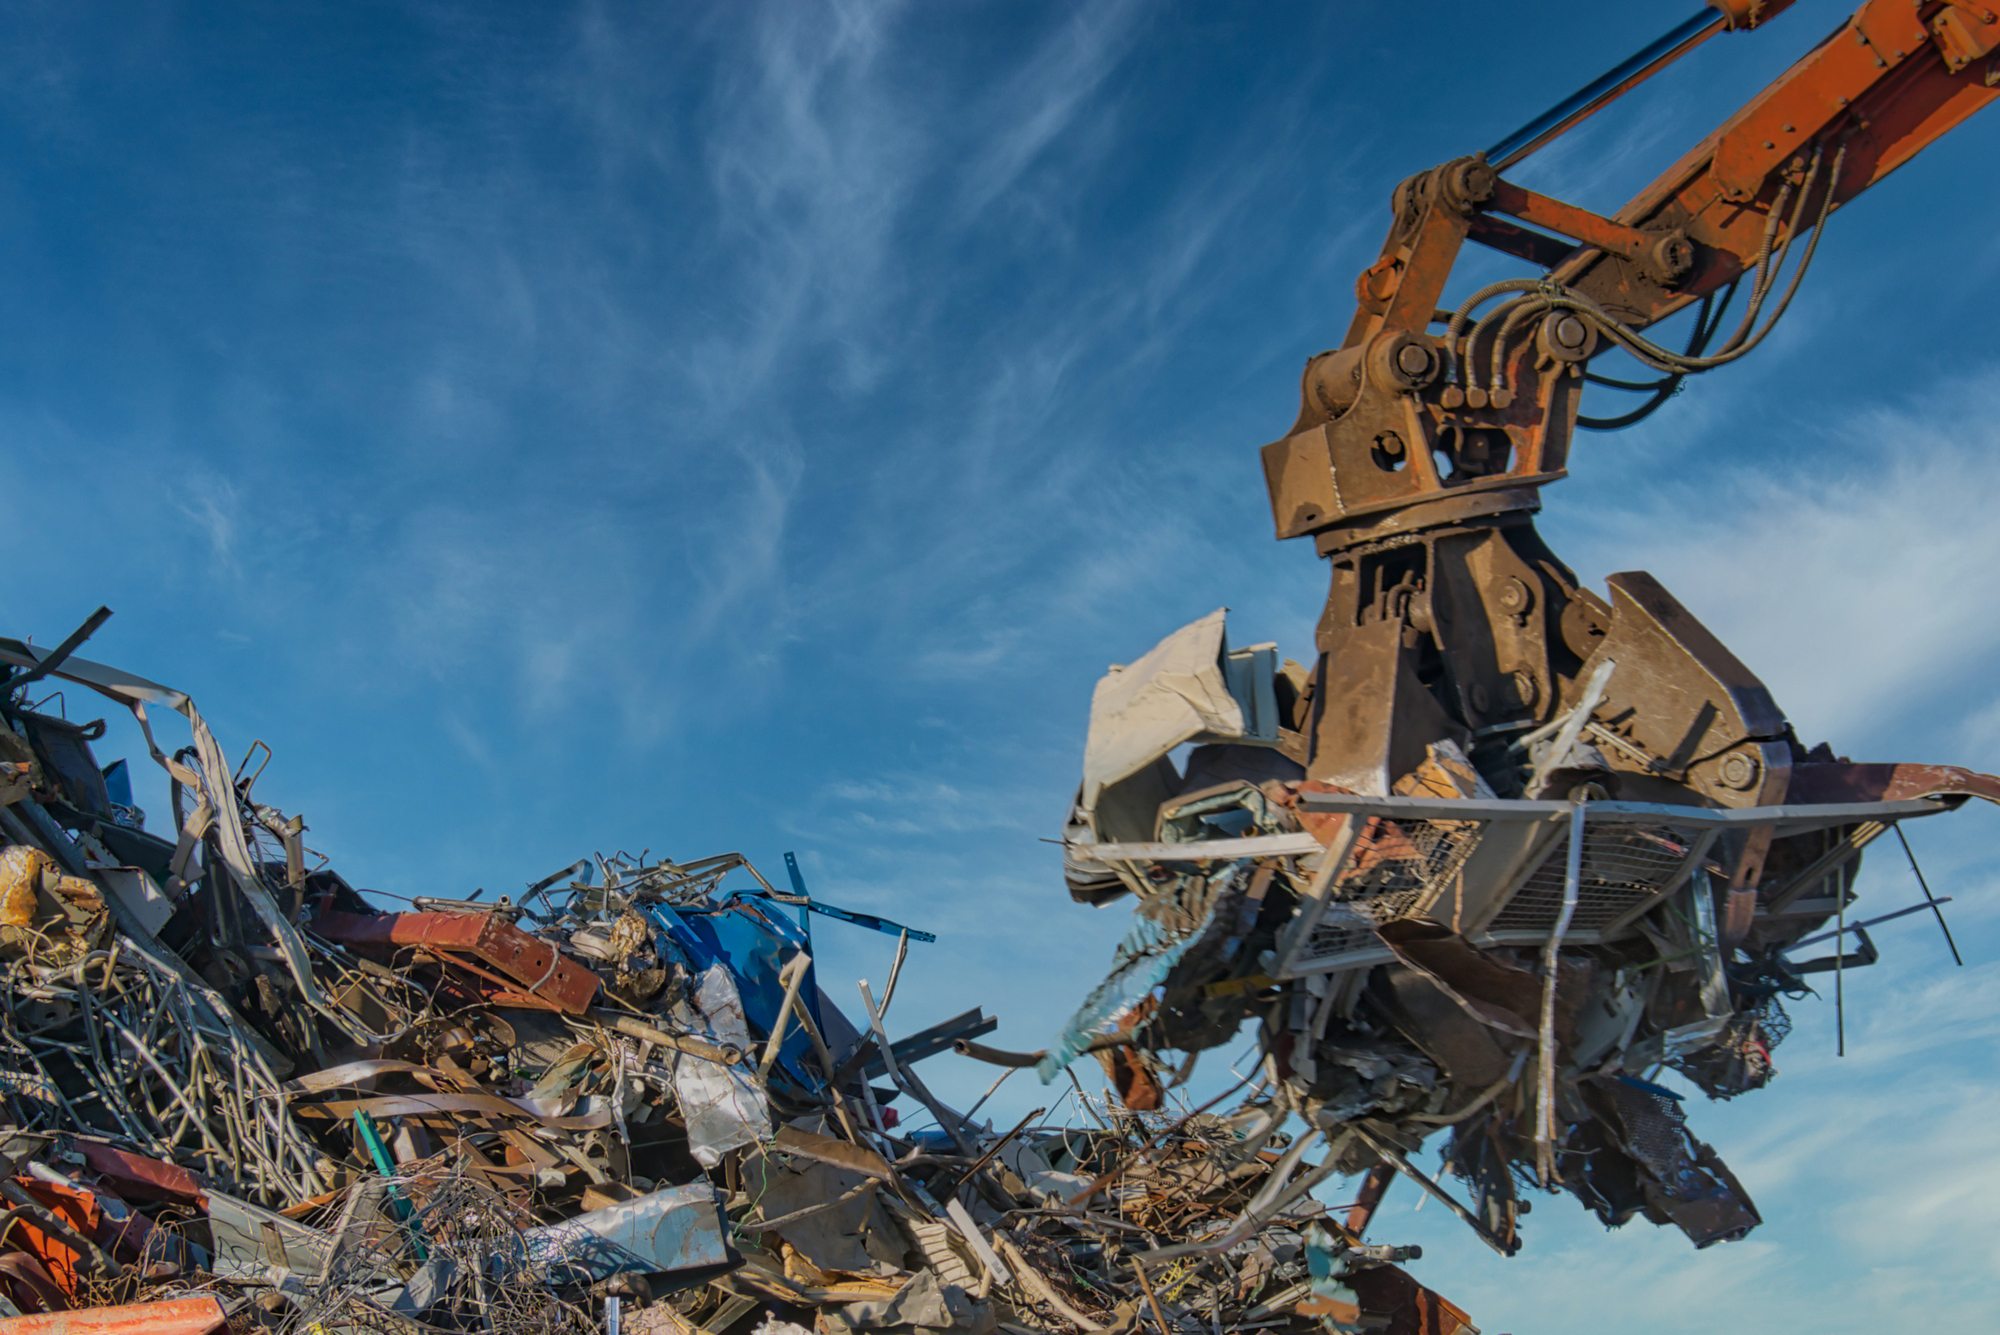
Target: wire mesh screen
[1396, 870]
[1624, 867]
[1654, 1131]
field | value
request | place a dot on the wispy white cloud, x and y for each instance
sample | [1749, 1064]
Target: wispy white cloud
[800, 184]
[915, 803]
[1041, 101]
[813, 159]
[210, 509]
[1808, 562]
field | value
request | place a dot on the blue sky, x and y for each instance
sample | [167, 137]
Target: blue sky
[698, 427]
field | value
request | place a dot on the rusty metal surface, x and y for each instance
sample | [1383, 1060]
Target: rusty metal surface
[1888, 83]
[540, 976]
[1418, 452]
[137, 1178]
[1839, 781]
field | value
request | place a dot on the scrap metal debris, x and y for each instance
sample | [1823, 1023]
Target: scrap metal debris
[1505, 854]
[1513, 971]
[241, 1093]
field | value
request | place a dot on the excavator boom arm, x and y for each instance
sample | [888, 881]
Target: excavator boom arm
[1891, 80]
[1403, 427]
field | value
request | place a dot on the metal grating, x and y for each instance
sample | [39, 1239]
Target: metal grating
[1396, 870]
[1346, 934]
[1624, 867]
[1394, 856]
[1411, 852]
[1655, 1132]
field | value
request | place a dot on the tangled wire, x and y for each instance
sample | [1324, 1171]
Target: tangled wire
[121, 1043]
[460, 1242]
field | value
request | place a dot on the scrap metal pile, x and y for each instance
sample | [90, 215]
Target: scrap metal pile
[237, 1091]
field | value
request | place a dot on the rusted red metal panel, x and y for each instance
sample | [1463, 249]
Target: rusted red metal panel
[1817, 782]
[138, 1178]
[530, 972]
[176, 1316]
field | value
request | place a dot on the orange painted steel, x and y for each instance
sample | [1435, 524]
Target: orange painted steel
[1891, 80]
[176, 1316]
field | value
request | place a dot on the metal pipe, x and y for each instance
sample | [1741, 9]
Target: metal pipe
[55, 660]
[1607, 88]
[965, 1047]
[1572, 724]
[1857, 926]
[633, 1027]
[973, 1111]
[1931, 899]
[1146, 1288]
[1545, 1104]
[826, 1062]
[796, 969]
[896, 969]
[1443, 1197]
[909, 1082]
[1839, 973]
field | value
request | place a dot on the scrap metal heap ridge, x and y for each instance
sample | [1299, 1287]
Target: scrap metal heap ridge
[240, 1093]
